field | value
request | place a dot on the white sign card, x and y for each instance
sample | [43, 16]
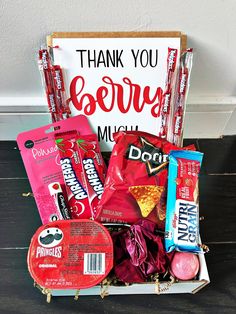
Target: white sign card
[116, 82]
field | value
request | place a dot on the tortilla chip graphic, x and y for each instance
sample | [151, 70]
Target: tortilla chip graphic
[147, 196]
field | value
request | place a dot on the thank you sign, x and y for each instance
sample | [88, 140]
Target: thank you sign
[118, 83]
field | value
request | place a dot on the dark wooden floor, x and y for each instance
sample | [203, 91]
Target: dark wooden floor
[19, 219]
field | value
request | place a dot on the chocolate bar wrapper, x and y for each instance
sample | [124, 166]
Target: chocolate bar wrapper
[182, 216]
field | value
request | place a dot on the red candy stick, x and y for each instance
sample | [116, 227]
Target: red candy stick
[59, 88]
[73, 175]
[44, 64]
[167, 96]
[94, 168]
[181, 97]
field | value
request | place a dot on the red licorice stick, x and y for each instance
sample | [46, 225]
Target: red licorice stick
[181, 96]
[52, 105]
[171, 62]
[73, 175]
[166, 99]
[44, 64]
[166, 102]
[60, 93]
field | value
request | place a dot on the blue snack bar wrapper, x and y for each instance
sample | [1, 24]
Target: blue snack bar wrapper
[182, 213]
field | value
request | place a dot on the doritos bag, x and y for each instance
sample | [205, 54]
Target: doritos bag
[136, 181]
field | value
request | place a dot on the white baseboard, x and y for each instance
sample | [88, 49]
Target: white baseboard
[206, 117]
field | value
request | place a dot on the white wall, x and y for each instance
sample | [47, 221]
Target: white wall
[209, 24]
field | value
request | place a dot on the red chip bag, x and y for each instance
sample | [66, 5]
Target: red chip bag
[135, 185]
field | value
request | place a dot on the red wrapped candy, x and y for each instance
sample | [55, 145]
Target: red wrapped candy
[73, 175]
[94, 168]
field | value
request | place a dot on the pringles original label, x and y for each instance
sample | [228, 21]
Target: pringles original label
[72, 254]
[48, 243]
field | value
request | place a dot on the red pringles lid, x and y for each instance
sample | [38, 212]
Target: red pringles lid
[70, 254]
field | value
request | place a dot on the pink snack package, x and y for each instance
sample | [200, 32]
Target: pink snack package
[42, 161]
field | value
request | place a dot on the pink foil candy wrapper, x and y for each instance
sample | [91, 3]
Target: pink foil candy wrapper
[139, 252]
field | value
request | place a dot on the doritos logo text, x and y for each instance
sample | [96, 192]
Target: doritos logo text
[149, 154]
